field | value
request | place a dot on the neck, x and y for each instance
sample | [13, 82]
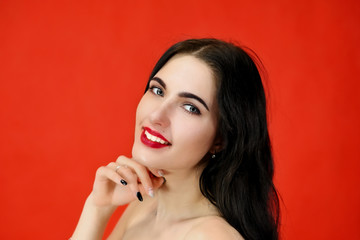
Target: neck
[180, 198]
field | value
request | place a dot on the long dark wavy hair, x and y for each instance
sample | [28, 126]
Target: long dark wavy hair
[239, 181]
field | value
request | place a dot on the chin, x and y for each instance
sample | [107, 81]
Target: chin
[140, 156]
[151, 158]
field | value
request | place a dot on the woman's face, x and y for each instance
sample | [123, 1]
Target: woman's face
[176, 118]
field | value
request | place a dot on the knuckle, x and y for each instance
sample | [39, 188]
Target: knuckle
[127, 171]
[120, 158]
[110, 164]
[100, 170]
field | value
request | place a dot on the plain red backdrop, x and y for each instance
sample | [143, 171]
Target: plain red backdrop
[72, 72]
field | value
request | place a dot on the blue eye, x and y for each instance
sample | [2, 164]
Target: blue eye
[157, 91]
[191, 109]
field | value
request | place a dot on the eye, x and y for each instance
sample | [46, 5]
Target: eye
[157, 91]
[191, 109]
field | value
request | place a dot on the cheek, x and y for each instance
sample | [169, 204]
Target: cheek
[139, 118]
[136, 149]
[195, 139]
[142, 109]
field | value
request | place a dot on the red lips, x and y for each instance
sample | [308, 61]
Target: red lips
[150, 143]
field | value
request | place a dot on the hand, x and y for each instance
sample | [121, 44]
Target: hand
[123, 181]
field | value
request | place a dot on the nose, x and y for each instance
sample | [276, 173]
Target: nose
[160, 115]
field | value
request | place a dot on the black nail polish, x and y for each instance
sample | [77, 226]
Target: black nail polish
[123, 182]
[138, 194]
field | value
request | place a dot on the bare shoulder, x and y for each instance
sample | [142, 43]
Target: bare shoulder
[213, 228]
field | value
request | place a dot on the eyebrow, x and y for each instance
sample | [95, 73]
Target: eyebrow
[190, 95]
[160, 81]
[182, 94]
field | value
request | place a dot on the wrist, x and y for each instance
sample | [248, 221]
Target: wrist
[100, 211]
[93, 220]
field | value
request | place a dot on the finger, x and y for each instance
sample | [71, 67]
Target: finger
[157, 177]
[130, 179]
[127, 178]
[128, 175]
[158, 182]
[105, 173]
[141, 172]
[157, 172]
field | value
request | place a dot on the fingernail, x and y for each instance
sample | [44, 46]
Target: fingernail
[164, 180]
[123, 182]
[161, 173]
[138, 195]
[151, 192]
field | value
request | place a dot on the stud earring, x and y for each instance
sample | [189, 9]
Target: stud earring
[213, 155]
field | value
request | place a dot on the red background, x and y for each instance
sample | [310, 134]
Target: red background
[72, 72]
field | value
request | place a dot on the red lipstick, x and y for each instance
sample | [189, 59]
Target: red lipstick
[153, 144]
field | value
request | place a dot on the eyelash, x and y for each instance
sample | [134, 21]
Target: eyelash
[152, 88]
[195, 111]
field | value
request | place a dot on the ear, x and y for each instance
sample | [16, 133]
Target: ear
[217, 146]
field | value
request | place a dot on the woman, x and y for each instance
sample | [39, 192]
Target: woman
[201, 165]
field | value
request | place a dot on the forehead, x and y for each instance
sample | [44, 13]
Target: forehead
[186, 73]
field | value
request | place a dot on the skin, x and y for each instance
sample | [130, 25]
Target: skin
[185, 122]
[178, 210]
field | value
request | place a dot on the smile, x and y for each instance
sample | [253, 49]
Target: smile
[153, 139]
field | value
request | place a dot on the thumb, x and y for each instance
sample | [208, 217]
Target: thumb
[158, 182]
[157, 178]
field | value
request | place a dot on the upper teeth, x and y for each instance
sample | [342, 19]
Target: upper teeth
[154, 139]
